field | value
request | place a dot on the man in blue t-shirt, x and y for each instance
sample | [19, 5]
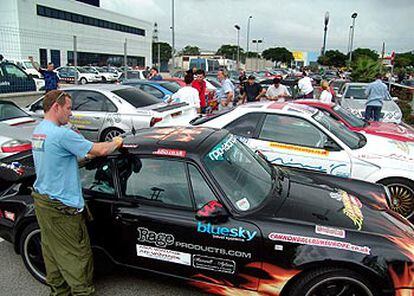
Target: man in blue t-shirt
[49, 74]
[59, 204]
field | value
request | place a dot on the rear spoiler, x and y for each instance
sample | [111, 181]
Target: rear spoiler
[170, 107]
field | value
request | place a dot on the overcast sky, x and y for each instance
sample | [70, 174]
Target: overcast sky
[295, 24]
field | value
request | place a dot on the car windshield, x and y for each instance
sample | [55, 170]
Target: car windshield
[171, 86]
[353, 120]
[10, 111]
[82, 70]
[29, 65]
[136, 97]
[245, 178]
[351, 139]
[356, 91]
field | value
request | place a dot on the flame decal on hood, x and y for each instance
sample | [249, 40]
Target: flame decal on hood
[405, 279]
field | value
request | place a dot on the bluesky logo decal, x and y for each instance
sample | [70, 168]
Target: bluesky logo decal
[238, 233]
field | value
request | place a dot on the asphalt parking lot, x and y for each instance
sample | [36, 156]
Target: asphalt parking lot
[15, 280]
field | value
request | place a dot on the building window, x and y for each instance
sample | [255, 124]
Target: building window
[43, 57]
[87, 20]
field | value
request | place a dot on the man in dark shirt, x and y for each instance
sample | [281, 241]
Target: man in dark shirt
[252, 91]
[50, 76]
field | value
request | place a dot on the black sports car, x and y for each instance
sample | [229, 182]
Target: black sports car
[195, 203]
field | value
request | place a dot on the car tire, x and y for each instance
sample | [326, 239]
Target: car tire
[83, 81]
[111, 133]
[402, 195]
[104, 80]
[31, 252]
[332, 281]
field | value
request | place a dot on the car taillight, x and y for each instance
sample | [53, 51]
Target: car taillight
[154, 120]
[14, 146]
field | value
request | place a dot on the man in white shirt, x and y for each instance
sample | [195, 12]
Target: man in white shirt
[188, 94]
[277, 91]
[305, 87]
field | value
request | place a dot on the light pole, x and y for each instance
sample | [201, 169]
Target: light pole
[349, 38]
[173, 35]
[325, 32]
[248, 33]
[257, 41]
[353, 16]
[237, 27]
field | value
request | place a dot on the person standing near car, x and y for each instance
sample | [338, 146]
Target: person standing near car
[253, 91]
[225, 94]
[277, 91]
[377, 92]
[59, 205]
[49, 74]
[188, 94]
[326, 95]
[200, 85]
[154, 75]
[305, 86]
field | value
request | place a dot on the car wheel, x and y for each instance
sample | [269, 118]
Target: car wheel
[330, 282]
[110, 134]
[402, 196]
[103, 79]
[83, 81]
[31, 252]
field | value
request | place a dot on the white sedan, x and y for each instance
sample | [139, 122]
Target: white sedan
[300, 136]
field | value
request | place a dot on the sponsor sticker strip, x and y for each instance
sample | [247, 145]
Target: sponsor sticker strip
[320, 152]
[164, 254]
[313, 241]
[330, 231]
[214, 264]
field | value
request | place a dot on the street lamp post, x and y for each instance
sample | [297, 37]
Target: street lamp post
[325, 32]
[173, 36]
[237, 27]
[257, 41]
[248, 33]
[353, 16]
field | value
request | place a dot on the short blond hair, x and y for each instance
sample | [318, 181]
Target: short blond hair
[325, 85]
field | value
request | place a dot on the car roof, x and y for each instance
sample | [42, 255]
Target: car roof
[279, 107]
[314, 102]
[108, 87]
[189, 139]
[357, 83]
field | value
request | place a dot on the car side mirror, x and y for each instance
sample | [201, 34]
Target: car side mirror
[212, 211]
[331, 145]
[34, 108]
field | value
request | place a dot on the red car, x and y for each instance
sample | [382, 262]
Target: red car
[389, 130]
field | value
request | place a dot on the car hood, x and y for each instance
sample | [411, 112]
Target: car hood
[390, 130]
[391, 111]
[346, 204]
[21, 131]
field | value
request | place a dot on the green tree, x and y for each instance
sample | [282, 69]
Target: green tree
[229, 51]
[190, 50]
[404, 59]
[333, 58]
[364, 52]
[165, 51]
[365, 69]
[278, 54]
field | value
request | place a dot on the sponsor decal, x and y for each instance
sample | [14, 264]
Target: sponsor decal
[170, 152]
[163, 254]
[300, 149]
[209, 208]
[218, 151]
[352, 207]
[130, 145]
[213, 250]
[159, 239]
[235, 233]
[329, 231]
[4, 83]
[214, 264]
[243, 204]
[176, 134]
[9, 215]
[313, 241]
[278, 247]
[38, 142]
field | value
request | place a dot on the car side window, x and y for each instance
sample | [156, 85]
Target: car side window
[89, 101]
[12, 71]
[152, 91]
[158, 180]
[201, 190]
[327, 113]
[291, 130]
[96, 176]
[245, 125]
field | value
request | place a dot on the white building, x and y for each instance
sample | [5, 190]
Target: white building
[45, 29]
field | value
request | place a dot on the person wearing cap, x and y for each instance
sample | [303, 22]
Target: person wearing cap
[253, 91]
[277, 91]
[57, 193]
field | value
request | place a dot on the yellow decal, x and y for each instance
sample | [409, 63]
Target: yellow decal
[302, 149]
[352, 209]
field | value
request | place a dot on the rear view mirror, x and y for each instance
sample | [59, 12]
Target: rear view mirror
[212, 211]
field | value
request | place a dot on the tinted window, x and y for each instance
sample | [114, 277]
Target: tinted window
[349, 117]
[88, 101]
[159, 180]
[136, 97]
[201, 190]
[97, 176]
[245, 125]
[291, 130]
[12, 71]
[152, 91]
[9, 111]
[356, 91]
[171, 86]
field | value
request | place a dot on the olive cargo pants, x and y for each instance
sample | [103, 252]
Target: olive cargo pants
[65, 246]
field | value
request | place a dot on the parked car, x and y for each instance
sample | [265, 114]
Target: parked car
[105, 75]
[384, 129]
[408, 82]
[14, 79]
[101, 112]
[161, 90]
[16, 128]
[301, 136]
[68, 74]
[337, 84]
[133, 74]
[27, 67]
[195, 203]
[353, 98]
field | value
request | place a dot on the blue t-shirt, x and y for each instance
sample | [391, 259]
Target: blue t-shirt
[55, 151]
[51, 79]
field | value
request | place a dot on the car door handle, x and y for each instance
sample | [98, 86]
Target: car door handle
[123, 219]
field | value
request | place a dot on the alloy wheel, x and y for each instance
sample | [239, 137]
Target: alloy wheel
[402, 199]
[339, 286]
[33, 253]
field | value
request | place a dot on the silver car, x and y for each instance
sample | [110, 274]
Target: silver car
[101, 112]
[16, 128]
[353, 98]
